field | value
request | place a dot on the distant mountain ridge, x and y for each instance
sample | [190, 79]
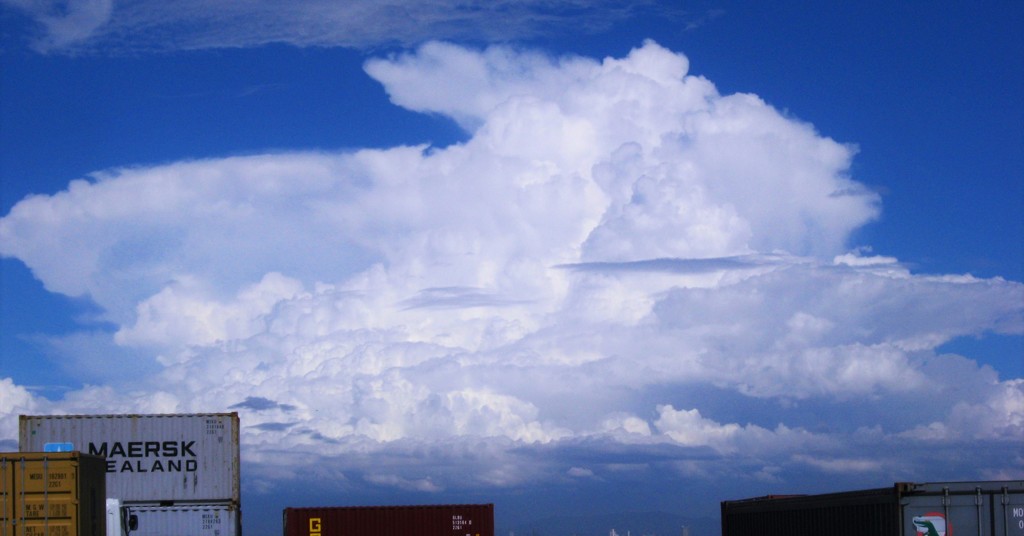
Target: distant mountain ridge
[624, 523]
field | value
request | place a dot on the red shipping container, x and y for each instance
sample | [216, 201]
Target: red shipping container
[426, 520]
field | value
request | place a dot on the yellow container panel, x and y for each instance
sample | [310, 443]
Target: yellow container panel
[7, 516]
[39, 507]
[51, 494]
[51, 476]
[51, 528]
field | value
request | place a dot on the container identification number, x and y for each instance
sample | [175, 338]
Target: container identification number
[314, 526]
[211, 521]
[460, 523]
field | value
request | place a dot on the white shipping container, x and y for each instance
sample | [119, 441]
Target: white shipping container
[193, 519]
[150, 458]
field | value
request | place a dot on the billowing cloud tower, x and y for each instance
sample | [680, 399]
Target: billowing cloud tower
[617, 259]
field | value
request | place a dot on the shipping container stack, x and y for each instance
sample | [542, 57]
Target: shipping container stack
[167, 474]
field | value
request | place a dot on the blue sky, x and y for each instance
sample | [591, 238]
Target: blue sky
[568, 249]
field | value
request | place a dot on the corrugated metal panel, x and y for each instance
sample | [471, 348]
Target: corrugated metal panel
[874, 512]
[942, 509]
[193, 520]
[965, 508]
[426, 520]
[191, 457]
[52, 494]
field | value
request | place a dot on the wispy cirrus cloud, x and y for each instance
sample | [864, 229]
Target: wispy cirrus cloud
[144, 25]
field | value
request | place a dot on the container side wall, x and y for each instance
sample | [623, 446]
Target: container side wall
[151, 457]
[194, 520]
[434, 520]
[906, 509]
[859, 513]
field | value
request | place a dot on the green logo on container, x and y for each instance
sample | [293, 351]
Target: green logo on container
[932, 524]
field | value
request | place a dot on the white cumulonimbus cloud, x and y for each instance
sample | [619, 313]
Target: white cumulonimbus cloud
[614, 240]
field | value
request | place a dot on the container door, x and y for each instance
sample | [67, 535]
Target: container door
[948, 514]
[1009, 516]
[46, 500]
[7, 517]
